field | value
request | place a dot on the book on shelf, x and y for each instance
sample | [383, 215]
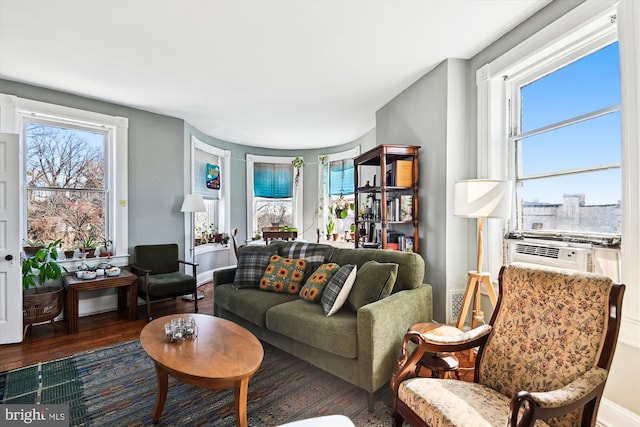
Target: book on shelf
[403, 171]
[406, 208]
[408, 244]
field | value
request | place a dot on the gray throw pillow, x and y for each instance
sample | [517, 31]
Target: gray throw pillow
[251, 266]
[374, 282]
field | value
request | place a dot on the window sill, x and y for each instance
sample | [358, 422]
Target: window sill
[210, 247]
[593, 239]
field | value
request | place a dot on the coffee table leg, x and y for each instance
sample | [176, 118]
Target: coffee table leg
[241, 402]
[163, 385]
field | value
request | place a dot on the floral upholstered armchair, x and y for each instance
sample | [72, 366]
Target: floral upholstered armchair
[543, 360]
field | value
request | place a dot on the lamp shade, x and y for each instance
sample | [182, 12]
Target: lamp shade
[193, 203]
[482, 198]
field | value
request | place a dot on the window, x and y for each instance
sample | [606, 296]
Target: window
[274, 193]
[537, 125]
[337, 202]
[74, 165]
[567, 145]
[210, 179]
[65, 175]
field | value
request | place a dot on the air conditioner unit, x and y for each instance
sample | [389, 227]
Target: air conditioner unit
[552, 254]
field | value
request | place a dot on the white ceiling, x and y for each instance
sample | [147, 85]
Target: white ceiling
[272, 73]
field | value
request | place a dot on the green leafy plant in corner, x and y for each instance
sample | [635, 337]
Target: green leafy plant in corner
[43, 266]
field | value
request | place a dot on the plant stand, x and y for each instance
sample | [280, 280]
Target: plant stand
[41, 305]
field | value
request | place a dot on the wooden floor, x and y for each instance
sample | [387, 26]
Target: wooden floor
[100, 330]
[43, 343]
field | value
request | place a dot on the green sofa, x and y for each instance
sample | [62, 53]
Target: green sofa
[361, 348]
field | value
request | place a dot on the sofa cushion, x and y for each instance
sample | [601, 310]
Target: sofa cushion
[315, 284]
[252, 261]
[250, 304]
[168, 285]
[374, 282]
[283, 275]
[410, 264]
[338, 289]
[308, 324]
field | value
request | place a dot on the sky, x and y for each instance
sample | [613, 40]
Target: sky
[587, 85]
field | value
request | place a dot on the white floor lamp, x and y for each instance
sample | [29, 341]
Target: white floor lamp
[193, 203]
[480, 198]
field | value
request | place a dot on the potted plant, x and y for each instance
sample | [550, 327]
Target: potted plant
[352, 231]
[88, 246]
[297, 163]
[30, 247]
[331, 225]
[69, 252]
[42, 302]
[105, 248]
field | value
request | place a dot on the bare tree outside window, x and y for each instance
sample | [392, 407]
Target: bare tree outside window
[274, 212]
[66, 183]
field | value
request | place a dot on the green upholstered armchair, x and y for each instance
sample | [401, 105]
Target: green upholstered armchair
[159, 275]
[543, 360]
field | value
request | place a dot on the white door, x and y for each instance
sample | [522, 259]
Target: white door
[10, 274]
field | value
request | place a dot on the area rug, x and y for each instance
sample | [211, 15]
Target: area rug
[116, 386]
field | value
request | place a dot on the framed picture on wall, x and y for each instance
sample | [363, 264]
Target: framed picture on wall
[213, 176]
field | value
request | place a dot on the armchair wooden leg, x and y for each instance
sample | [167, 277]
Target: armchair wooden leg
[397, 419]
[149, 318]
[195, 300]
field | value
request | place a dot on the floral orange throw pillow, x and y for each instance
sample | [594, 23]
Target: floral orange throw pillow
[312, 290]
[285, 275]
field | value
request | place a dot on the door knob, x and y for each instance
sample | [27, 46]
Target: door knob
[8, 257]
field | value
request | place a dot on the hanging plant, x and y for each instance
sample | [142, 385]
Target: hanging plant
[297, 163]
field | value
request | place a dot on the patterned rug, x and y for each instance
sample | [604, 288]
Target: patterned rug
[116, 386]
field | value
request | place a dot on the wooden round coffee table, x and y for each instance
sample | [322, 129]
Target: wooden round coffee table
[223, 356]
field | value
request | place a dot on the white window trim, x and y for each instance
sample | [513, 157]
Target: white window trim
[14, 111]
[224, 206]
[297, 191]
[581, 27]
[323, 187]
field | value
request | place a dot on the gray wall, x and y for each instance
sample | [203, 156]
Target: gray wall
[239, 178]
[430, 114]
[158, 167]
[155, 180]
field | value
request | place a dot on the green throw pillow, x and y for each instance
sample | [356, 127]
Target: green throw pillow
[285, 275]
[374, 282]
[312, 290]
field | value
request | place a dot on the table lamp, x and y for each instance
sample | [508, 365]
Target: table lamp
[193, 203]
[480, 198]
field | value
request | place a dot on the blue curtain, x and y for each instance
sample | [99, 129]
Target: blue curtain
[272, 180]
[341, 177]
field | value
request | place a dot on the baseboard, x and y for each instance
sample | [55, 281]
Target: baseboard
[613, 415]
[102, 304]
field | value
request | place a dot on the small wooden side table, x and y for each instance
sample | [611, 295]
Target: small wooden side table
[438, 363]
[74, 286]
[284, 235]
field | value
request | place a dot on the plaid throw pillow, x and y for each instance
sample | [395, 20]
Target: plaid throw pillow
[311, 252]
[251, 266]
[284, 275]
[312, 290]
[338, 288]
